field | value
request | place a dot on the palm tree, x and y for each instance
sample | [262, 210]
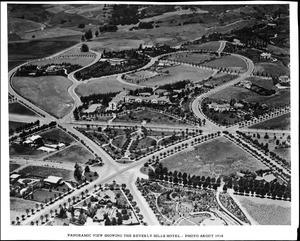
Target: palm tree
[42, 217]
[51, 212]
[27, 212]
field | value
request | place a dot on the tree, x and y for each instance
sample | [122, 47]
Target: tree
[87, 169]
[81, 25]
[96, 33]
[84, 48]
[82, 38]
[88, 34]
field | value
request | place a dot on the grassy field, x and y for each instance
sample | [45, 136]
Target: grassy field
[230, 62]
[273, 69]
[73, 154]
[265, 83]
[284, 153]
[213, 158]
[22, 51]
[17, 150]
[220, 79]
[149, 116]
[280, 98]
[18, 207]
[146, 142]
[14, 125]
[13, 166]
[48, 92]
[58, 135]
[195, 58]
[48, 171]
[72, 56]
[213, 46]
[18, 108]
[282, 122]
[178, 73]
[267, 211]
[117, 45]
[101, 85]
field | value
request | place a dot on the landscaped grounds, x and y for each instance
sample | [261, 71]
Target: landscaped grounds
[213, 158]
[48, 92]
[282, 122]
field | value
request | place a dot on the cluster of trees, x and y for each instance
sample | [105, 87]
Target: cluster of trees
[108, 28]
[137, 92]
[146, 25]
[84, 48]
[28, 70]
[124, 14]
[24, 127]
[263, 146]
[162, 173]
[40, 128]
[158, 50]
[105, 68]
[175, 86]
[261, 188]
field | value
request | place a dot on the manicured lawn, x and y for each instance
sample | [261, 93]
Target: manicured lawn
[119, 141]
[267, 211]
[231, 62]
[101, 85]
[72, 154]
[146, 142]
[178, 73]
[43, 195]
[58, 135]
[18, 207]
[284, 153]
[17, 150]
[149, 116]
[48, 171]
[213, 46]
[48, 92]
[18, 108]
[213, 158]
[282, 122]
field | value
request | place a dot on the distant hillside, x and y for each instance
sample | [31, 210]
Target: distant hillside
[18, 25]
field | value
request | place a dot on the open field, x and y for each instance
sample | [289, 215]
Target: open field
[22, 51]
[282, 97]
[57, 135]
[230, 62]
[118, 44]
[48, 92]
[267, 211]
[284, 153]
[220, 79]
[265, 83]
[72, 56]
[213, 158]
[48, 171]
[272, 69]
[43, 195]
[17, 25]
[119, 141]
[282, 122]
[13, 166]
[72, 154]
[18, 150]
[101, 85]
[18, 207]
[213, 46]
[149, 116]
[45, 33]
[18, 108]
[191, 57]
[178, 73]
[14, 125]
[146, 142]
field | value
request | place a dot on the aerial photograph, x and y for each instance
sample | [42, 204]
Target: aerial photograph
[149, 114]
